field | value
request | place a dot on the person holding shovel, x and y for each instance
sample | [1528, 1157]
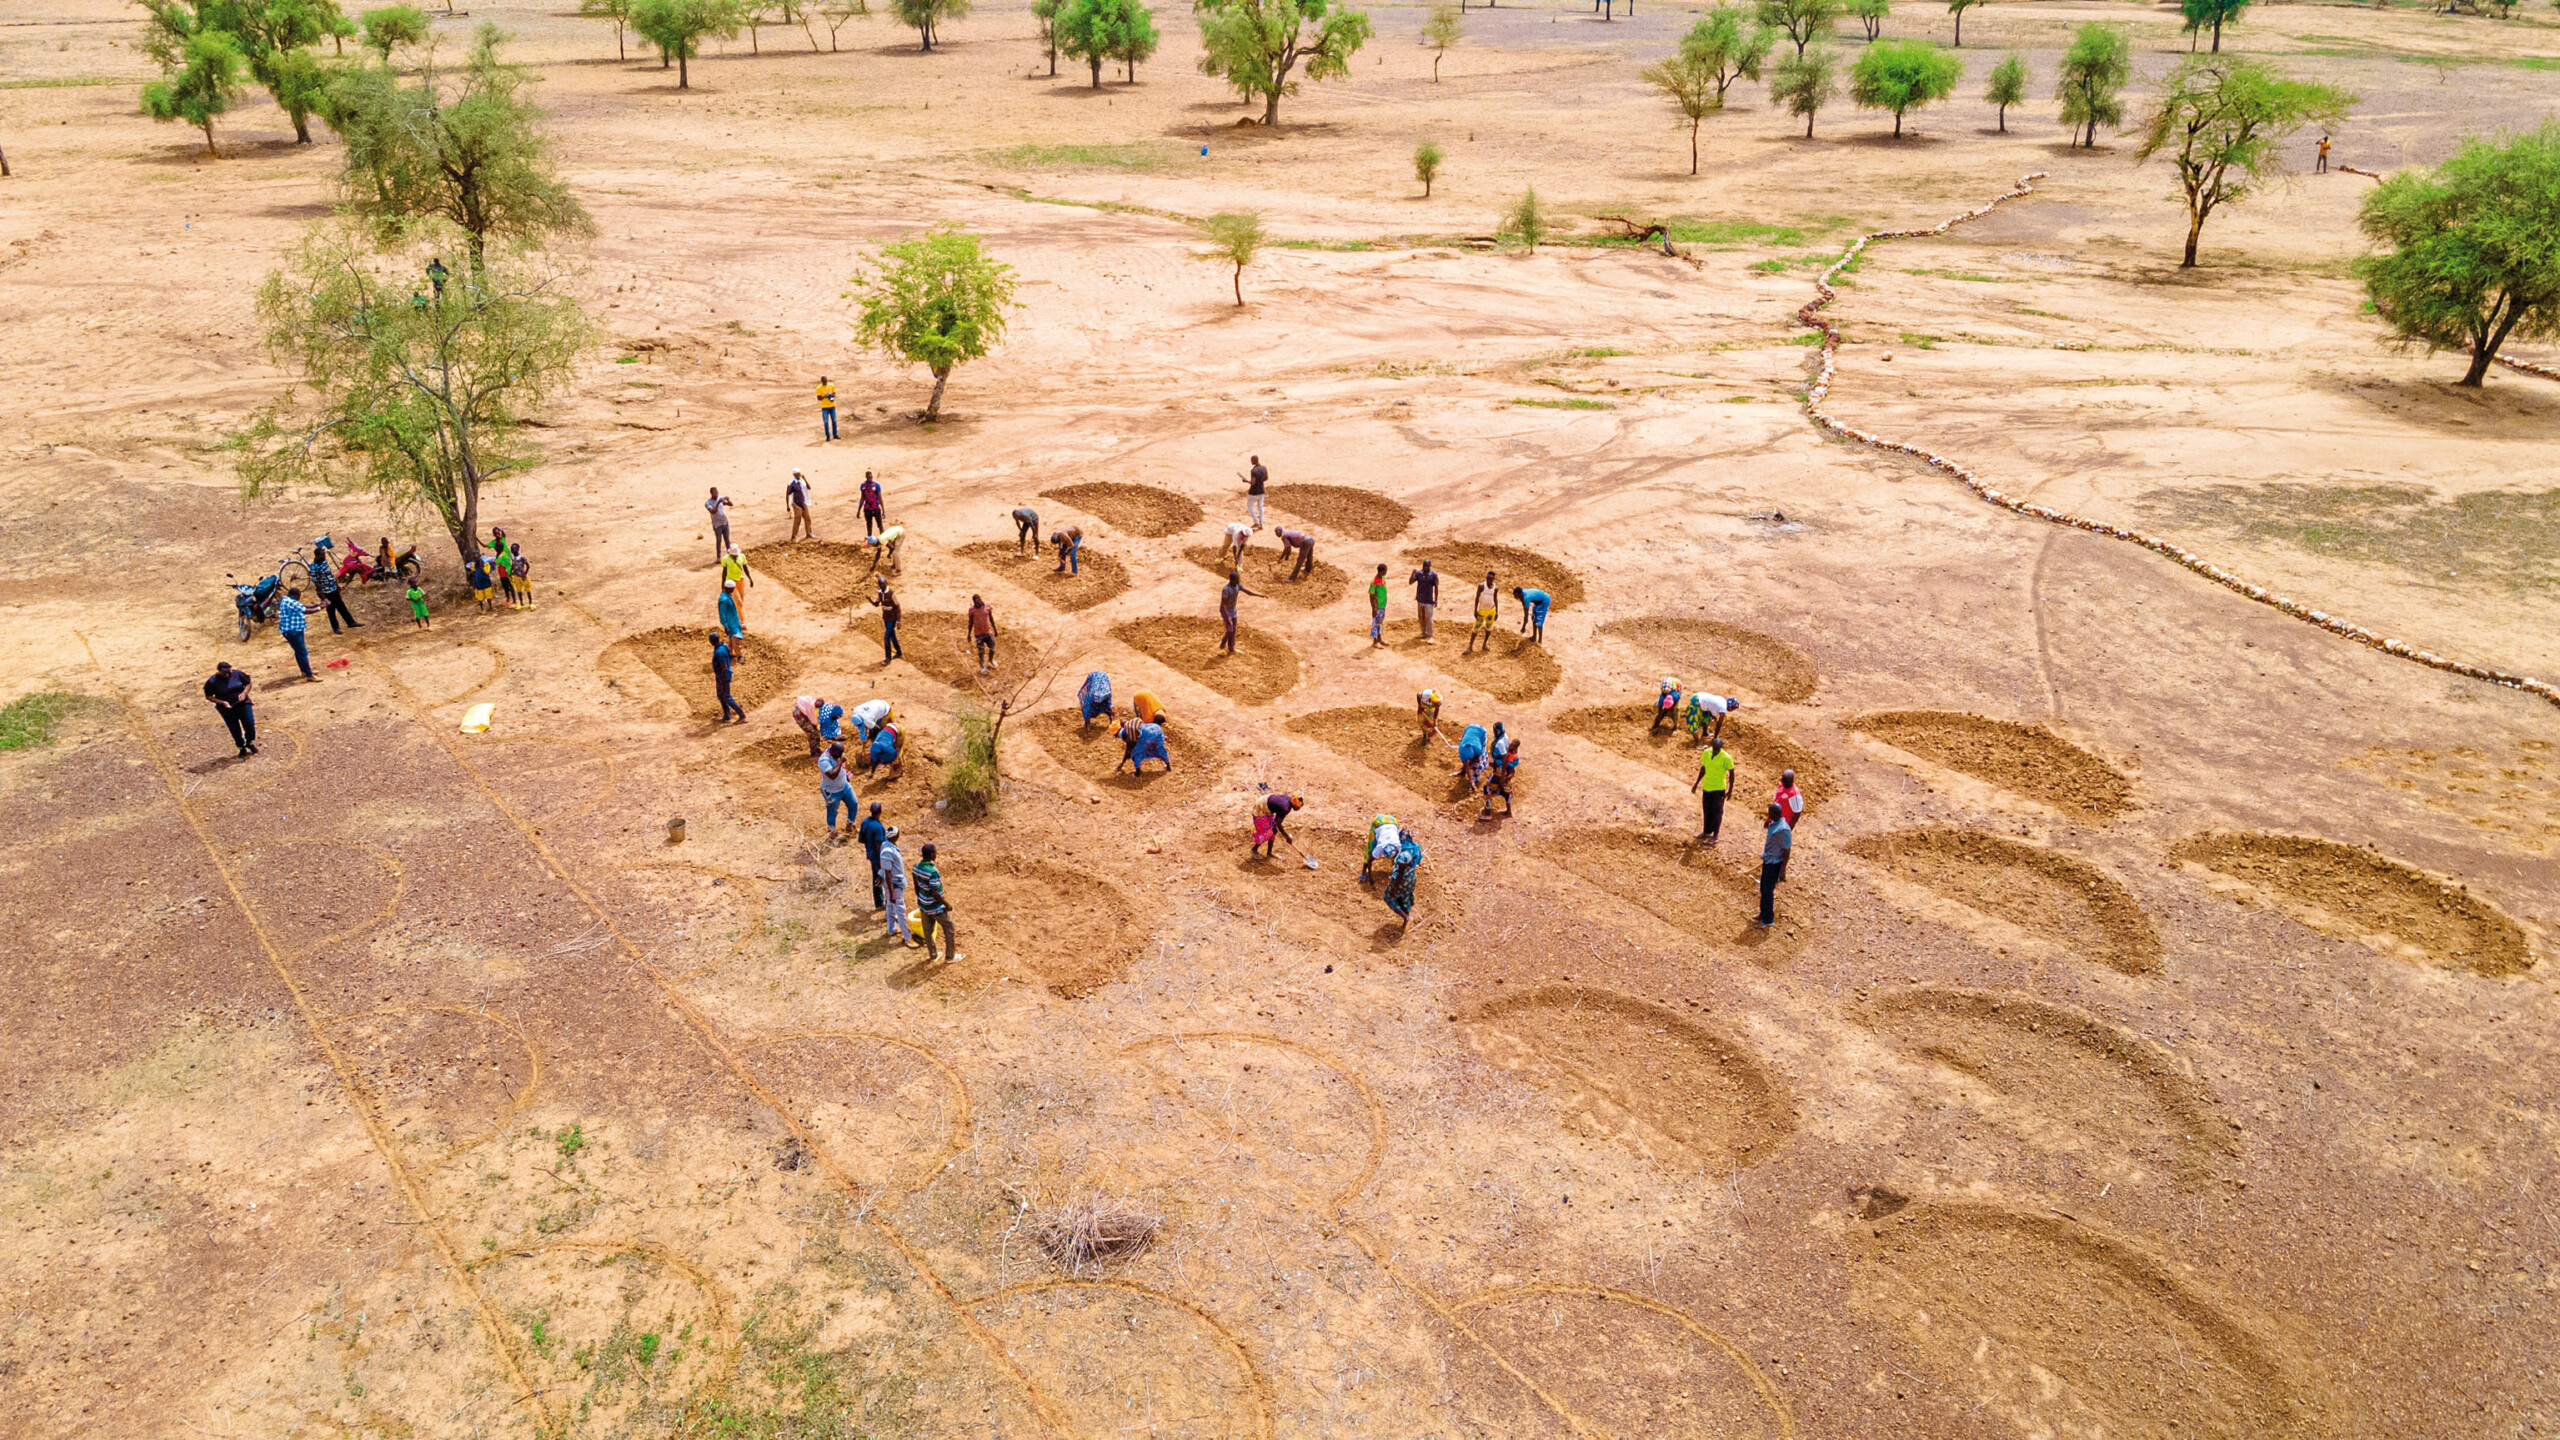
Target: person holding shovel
[1271, 823]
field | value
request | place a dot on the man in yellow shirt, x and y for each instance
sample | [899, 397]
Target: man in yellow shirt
[827, 405]
[1714, 782]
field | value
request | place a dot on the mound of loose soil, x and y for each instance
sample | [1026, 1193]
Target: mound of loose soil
[1463, 567]
[2358, 895]
[1098, 576]
[1760, 754]
[2051, 1300]
[1262, 669]
[1312, 903]
[1515, 671]
[937, 643]
[2027, 760]
[1637, 1067]
[1352, 513]
[1389, 741]
[1711, 893]
[2074, 1078]
[916, 783]
[1092, 751]
[2031, 887]
[1077, 930]
[682, 657]
[1263, 571]
[1760, 664]
[825, 574]
[1138, 509]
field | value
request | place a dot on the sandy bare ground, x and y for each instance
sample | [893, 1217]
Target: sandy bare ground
[2154, 1042]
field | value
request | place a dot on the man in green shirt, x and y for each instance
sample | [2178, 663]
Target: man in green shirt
[1714, 782]
[1378, 608]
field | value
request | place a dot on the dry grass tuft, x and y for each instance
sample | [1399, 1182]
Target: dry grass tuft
[1091, 1232]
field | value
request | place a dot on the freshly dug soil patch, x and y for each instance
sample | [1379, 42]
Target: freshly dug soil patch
[2027, 760]
[1389, 741]
[2037, 889]
[1262, 669]
[1092, 752]
[2052, 1300]
[1462, 568]
[2358, 895]
[1138, 509]
[2074, 1078]
[937, 643]
[1351, 513]
[917, 782]
[1098, 576]
[1762, 665]
[1079, 931]
[1263, 571]
[1711, 893]
[825, 574]
[682, 657]
[1515, 671]
[1309, 902]
[1654, 1076]
[1760, 754]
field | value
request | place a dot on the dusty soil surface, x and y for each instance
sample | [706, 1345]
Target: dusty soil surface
[1512, 669]
[1139, 509]
[1465, 564]
[1760, 754]
[937, 642]
[407, 1083]
[1262, 570]
[1343, 509]
[1094, 753]
[2026, 759]
[1261, 668]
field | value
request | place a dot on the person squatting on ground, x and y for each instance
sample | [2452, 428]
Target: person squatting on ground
[718, 505]
[292, 621]
[1255, 483]
[796, 496]
[893, 886]
[1239, 540]
[1026, 529]
[887, 601]
[872, 833]
[1715, 780]
[1271, 823]
[884, 547]
[1488, 615]
[1093, 698]
[1070, 543]
[874, 505]
[228, 689]
[1304, 545]
[724, 670]
[1378, 609]
[887, 751]
[826, 408]
[1774, 850]
[1384, 840]
[837, 789]
[1533, 614]
[982, 632]
[927, 880]
[1426, 596]
[1227, 608]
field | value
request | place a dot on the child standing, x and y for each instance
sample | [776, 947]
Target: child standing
[523, 573]
[417, 606]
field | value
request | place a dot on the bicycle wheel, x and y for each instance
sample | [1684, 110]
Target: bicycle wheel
[285, 572]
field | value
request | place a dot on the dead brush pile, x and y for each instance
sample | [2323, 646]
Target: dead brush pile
[1092, 1232]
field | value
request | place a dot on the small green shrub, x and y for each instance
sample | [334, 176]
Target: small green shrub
[969, 781]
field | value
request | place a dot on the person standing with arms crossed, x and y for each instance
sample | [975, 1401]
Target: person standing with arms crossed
[723, 670]
[1227, 608]
[718, 505]
[827, 407]
[1378, 609]
[874, 506]
[1426, 596]
[796, 495]
[1714, 782]
[1780, 842]
[1256, 482]
[228, 689]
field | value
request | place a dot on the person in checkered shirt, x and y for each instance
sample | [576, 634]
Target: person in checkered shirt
[291, 622]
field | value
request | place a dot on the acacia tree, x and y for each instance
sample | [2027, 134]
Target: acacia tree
[2008, 85]
[935, 300]
[393, 26]
[420, 402]
[2091, 83]
[271, 39]
[1805, 82]
[1047, 13]
[474, 156]
[836, 12]
[2199, 14]
[617, 11]
[2223, 124]
[1871, 15]
[1957, 9]
[1730, 44]
[1689, 83]
[1801, 21]
[1903, 75]
[1426, 164]
[1094, 31]
[1255, 45]
[1443, 29]
[203, 81]
[678, 28]
[1235, 238]
[2475, 248]
[1137, 40]
[925, 17]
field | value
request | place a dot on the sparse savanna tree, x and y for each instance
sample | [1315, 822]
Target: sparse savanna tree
[1801, 21]
[2474, 257]
[1257, 45]
[678, 28]
[1689, 83]
[1957, 9]
[272, 39]
[1443, 29]
[466, 149]
[1871, 15]
[418, 402]
[391, 27]
[1098, 30]
[927, 17]
[2202, 15]
[1526, 222]
[201, 78]
[1805, 82]
[1731, 44]
[1046, 12]
[1138, 39]
[2008, 86]
[1235, 238]
[1426, 165]
[617, 11]
[2223, 124]
[1903, 75]
[836, 12]
[2091, 82]
[935, 300]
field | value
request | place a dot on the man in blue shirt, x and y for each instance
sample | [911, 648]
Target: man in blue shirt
[228, 689]
[1774, 850]
[723, 670]
[291, 623]
[872, 834]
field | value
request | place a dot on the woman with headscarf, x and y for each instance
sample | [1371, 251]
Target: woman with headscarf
[1402, 879]
[1471, 753]
[1384, 841]
[729, 617]
[1094, 700]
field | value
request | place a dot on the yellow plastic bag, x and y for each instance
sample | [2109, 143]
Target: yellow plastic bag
[475, 721]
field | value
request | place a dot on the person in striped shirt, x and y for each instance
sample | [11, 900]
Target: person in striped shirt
[292, 622]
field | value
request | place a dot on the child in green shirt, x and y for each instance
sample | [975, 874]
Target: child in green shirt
[417, 606]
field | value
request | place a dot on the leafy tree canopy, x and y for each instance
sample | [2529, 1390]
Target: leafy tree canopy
[1256, 45]
[678, 28]
[2223, 124]
[2474, 257]
[1731, 44]
[203, 80]
[1903, 75]
[936, 300]
[2091, 83]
